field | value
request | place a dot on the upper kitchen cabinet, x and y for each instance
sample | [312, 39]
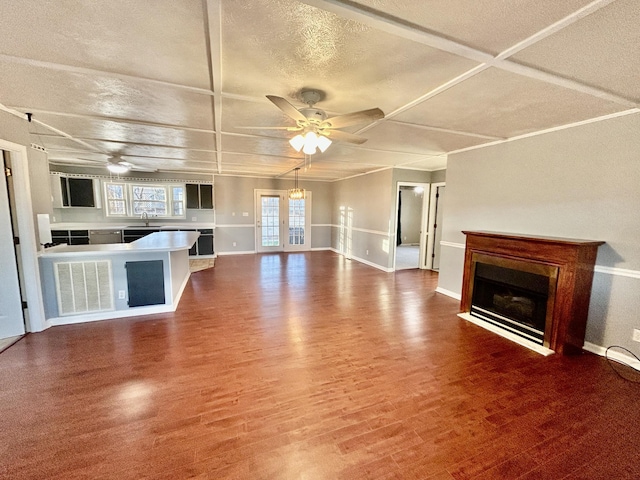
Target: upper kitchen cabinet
[74, 192]
[200, 196]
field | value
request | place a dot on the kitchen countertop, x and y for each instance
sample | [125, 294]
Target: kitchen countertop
[154, 242]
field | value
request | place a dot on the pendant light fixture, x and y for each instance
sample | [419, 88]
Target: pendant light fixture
[296, 193]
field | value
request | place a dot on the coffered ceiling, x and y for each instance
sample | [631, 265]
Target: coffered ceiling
[171, 84]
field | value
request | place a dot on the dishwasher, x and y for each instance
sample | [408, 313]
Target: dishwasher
[97, 237]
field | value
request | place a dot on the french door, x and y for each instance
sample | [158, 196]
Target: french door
[282, 224]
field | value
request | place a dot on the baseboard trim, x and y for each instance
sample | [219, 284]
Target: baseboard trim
[621, 357]
[449, 293]
[113, 315]
[241, 252]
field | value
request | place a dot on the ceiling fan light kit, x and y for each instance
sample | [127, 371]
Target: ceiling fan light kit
[314, 125]
[117, 168]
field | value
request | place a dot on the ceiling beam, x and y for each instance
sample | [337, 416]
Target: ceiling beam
[410, 31]
[92, 72]
[213, 32]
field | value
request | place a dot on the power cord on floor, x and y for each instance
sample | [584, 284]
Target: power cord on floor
[633, 378]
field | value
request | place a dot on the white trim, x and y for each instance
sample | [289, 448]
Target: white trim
[321, 225]
[624, 113]
[132, 312]
[363, 230]
[362, 260]
[449, 293]
[452, 244]
[431, 220]
[621, 357]
[242, 252]
[371, 264]
[508, 335]
[621, 272]
[238, 225]
[321, 249]
[424, 222]
[34, 314]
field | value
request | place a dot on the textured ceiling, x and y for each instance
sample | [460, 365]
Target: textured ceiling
[173, 84]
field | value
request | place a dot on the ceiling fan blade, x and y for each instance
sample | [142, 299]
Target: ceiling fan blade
[364, 116]
[290, 129]
[287, 108]
[345, 137]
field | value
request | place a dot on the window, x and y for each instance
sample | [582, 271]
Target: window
[134, 200]
[150, 199]
[116, 201]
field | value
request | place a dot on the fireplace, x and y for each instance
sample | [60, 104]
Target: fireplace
[534, 290]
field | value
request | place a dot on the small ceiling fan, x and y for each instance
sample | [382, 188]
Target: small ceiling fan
[116, 164]
[316, 130]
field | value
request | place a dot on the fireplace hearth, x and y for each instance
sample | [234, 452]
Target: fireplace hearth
[534, 290]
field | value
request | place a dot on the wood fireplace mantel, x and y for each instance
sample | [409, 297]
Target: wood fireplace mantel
[574, 260]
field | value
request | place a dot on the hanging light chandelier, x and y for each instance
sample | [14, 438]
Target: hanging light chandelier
[296, 193]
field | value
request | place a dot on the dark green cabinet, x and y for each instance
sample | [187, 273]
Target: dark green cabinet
[77, 192]
[70, 237]
[199, 196]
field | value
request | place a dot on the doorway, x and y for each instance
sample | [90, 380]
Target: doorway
[436, 213]
[411, 222]
[12, 320]
[282, 224]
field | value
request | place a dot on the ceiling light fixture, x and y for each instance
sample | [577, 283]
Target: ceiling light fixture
[117, 168]
[310, 142]
[296, 193]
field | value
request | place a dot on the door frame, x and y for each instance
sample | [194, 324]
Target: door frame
[34, 315]
[284, 222]
[306, 246]
[432, 219]
[258, 193]
[423, 221]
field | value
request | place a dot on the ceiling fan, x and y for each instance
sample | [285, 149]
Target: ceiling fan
[316, 130]
[115, 164]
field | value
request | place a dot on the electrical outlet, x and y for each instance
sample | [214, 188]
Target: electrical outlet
[367, 252]
[194, 219]
[245, 214]
[121, 294]
[636, 335]
[234, 244]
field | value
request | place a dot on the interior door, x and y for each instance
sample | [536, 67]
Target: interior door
[11, 314]
[269, 221]
[438, 227]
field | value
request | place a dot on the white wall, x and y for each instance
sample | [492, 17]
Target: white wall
[582, 182]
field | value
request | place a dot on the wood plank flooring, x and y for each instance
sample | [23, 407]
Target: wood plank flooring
[308, 366]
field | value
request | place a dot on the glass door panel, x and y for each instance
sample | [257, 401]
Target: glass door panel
[269, 223]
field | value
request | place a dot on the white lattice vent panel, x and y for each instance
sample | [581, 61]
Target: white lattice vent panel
[84, 287]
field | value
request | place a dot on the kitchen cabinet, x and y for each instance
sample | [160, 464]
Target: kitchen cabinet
[199, 196]
[205, 241]
[131, 235]
[73, 192]
[70, 237]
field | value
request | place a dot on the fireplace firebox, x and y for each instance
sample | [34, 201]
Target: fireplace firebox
[534, 288]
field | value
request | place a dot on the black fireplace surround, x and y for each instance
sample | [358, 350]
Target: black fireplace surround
[511, 299]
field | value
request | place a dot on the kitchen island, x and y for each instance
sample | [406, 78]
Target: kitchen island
[82, 283]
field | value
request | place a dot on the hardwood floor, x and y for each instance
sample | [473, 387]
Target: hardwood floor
[308, 366]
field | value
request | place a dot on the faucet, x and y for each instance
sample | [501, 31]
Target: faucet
[145, 217]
